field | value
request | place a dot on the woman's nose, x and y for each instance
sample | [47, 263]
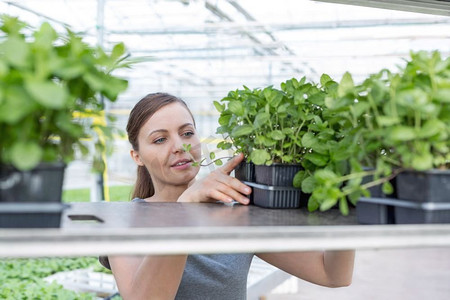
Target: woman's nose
[177, 145]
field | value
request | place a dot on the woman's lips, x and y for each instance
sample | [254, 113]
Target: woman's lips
[182, 164]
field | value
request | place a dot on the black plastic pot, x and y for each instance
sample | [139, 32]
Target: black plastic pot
[41, 184]
[277, 196]
[31, 199]
[245, 171]
[31, 215]
[374, 211]
[276, 174]
[395, 211]
[429, 186]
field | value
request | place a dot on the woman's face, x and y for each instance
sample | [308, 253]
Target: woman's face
[161, 142]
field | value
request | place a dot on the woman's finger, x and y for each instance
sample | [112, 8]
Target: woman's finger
[217, 195]
[231, 164]
[234, 183]
[232, 193]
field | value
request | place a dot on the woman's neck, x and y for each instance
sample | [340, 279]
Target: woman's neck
[167, 193]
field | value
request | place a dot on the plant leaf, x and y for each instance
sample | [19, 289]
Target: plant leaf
[48, 94]
[346, 85]
[402, 133]
[308, 184]
[25, 155]
[241, 130]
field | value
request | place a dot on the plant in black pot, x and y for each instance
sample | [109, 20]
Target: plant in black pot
[402, 131]
[52, 92]
[268, 125]
[413, 115]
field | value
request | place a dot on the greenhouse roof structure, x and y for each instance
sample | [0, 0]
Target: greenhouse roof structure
[201, 49]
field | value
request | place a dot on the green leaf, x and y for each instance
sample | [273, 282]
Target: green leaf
[298, 179]
[324, 175]
[331, 200]
[442, 95]
[387, 188]
[236, 108]
[25, 155]
[48, 94]
[261, 119]
[359, 108]
[219, 107]
[218, 162]
[95, 82]
[259, 156]
[386, 121]
[277, 135]
[17, 107]
[308, 184]
[212, 155]
[431, 127]
[402, 133]
[225, 118]
[45, 36]
[343, 206]
[317, 159]
[308, 140]
[313, 205]
[346, 86]
[241, 130]
[15, 51]
[324, 79]
[118, 51]
[422, 162]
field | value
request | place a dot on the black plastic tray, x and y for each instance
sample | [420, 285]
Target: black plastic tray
[276, 174]
[245, 171]
[427, 186]
[31, 215]
[276, 196]
[396, 211]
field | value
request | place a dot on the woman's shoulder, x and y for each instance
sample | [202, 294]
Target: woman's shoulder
[138, 200]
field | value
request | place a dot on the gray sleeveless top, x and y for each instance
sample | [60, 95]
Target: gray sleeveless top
[212, 276]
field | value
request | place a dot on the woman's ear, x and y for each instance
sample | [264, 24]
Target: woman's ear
[135, 156]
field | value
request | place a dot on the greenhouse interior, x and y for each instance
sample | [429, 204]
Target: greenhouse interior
[203, 50]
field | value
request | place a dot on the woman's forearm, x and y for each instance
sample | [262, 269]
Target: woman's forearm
[155, 277]
[339, 267]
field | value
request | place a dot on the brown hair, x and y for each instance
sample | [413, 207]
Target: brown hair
[140, 113]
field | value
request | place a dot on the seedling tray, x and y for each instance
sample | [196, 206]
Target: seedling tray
[31, 215]
[275, 196]
[396, 211]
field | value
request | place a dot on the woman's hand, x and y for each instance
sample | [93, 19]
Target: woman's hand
[218, 185]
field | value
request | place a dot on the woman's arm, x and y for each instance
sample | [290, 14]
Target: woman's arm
[327, 268]
[148, 277]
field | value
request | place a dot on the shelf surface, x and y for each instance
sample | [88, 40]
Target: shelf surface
[103, 228]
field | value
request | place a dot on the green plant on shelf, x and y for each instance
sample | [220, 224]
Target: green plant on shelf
[53, 90]
[403, 123]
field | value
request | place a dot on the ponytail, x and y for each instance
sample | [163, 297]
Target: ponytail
[144, 185]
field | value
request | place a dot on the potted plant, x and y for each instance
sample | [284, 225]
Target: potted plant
[402, 131]
[52, 92]
[268, 125]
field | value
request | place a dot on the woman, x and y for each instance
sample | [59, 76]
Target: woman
[158, 127]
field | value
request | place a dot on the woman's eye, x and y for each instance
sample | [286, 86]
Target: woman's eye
[159, 141]
[188, 133]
